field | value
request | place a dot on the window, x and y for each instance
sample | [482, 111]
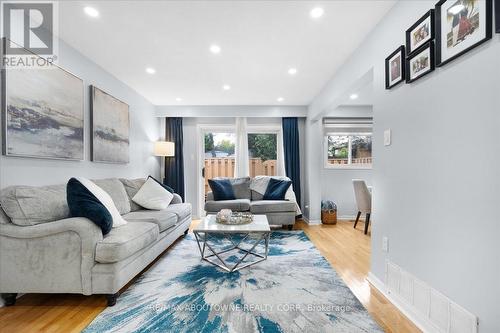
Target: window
[348, 143]
[262, 153]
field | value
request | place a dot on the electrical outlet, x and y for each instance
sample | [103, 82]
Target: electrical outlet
[387, 137]
[385, 244]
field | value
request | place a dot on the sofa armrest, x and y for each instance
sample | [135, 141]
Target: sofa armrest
[210, 196]
[176, 199]
[21, 244]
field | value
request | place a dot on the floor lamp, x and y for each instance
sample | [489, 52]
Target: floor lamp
[164, 149]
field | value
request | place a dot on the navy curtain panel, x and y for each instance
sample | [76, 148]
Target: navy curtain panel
[174, 166]
[291, 148]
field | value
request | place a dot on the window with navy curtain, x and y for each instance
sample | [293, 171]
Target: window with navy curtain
[174, 166]
[291, 150]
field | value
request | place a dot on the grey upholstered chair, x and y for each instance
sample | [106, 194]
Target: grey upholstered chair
[363, 200]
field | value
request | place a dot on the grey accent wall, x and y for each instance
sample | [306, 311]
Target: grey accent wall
[144, 129]
[436, 187]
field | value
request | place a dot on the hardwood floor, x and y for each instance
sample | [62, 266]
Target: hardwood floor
[347, 249]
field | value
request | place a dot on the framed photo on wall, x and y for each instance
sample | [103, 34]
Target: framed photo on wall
[110, 127]
[420, 63]
[497, 16]
[395, 68]
[420, 33]
[461, 25]
[42, 113]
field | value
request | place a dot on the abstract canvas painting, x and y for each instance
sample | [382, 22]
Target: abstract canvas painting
[110, 128]
[42, 111]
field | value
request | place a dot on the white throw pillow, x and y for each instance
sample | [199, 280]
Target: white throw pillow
[105, 199]
[153, 196]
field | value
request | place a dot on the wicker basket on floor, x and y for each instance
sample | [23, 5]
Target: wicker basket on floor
[329, 216]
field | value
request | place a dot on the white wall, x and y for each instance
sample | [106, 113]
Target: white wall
[191, 153]
[144, 129]
[436, 187]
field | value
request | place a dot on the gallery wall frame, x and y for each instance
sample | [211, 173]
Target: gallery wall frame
[420, 32]
[420, 63]
[109, 128]
[497, 16]
[42, 112]
[460, 27]
[395, 68]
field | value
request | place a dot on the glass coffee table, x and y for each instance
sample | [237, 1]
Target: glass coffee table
[210, 234]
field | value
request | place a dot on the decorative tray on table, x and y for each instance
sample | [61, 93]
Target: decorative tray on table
[226, 216]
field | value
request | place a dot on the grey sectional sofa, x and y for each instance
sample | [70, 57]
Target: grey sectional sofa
[43, 250]
[278, 212]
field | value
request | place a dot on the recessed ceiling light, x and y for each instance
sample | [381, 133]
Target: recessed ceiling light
[150, 70]
[317, 12]
[292, 71]
[226, 87]
[90, 11]
[280, 99]
[215, 49]
[178, 99]
[354, 96]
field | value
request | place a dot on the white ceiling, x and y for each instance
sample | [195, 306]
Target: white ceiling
[260, 41]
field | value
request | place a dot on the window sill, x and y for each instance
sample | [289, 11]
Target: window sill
[348, 167]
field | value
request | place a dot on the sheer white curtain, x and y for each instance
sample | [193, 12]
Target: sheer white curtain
[241, 168]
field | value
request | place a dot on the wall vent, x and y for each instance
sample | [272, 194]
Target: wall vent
[441, 313]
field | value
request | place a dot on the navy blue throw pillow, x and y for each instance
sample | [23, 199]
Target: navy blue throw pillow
[82, 203]
[166, 187]
[222, 189]
[276, 189]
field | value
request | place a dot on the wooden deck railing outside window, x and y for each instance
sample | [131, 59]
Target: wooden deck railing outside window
[224, 167]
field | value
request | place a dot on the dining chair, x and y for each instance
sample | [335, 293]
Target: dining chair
[363, 201]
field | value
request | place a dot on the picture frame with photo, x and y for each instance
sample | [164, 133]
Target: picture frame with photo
[497, 16]
[395, 68]
[421, 32]
[461, 25]
[420, 63]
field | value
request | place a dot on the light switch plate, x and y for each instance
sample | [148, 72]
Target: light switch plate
[387, 137]
[385, 244]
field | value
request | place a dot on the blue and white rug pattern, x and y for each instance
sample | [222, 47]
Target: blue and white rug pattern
[294, 290]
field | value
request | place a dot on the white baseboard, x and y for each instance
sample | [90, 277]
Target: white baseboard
[427, 320]
[311, 222]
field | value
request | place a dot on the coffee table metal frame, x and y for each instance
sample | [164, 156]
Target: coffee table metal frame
[202, 238]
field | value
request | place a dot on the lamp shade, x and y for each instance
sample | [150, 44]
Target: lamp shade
[164, 148]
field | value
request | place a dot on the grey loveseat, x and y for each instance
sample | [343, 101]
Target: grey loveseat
[278, 212]
[43, 250]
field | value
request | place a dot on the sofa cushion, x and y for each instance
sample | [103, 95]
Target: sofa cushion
[182, 210]
[83, 203]
[116, 190]
[162, 218]
[276, 189]
[271, 206]
[126, 240]
[257, 196]
[241, 187]
[237, 205]
[221, 189]
[29, 205]
[152, 195]
[132, 186]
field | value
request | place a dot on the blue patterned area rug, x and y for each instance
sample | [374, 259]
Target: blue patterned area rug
[294, 290]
